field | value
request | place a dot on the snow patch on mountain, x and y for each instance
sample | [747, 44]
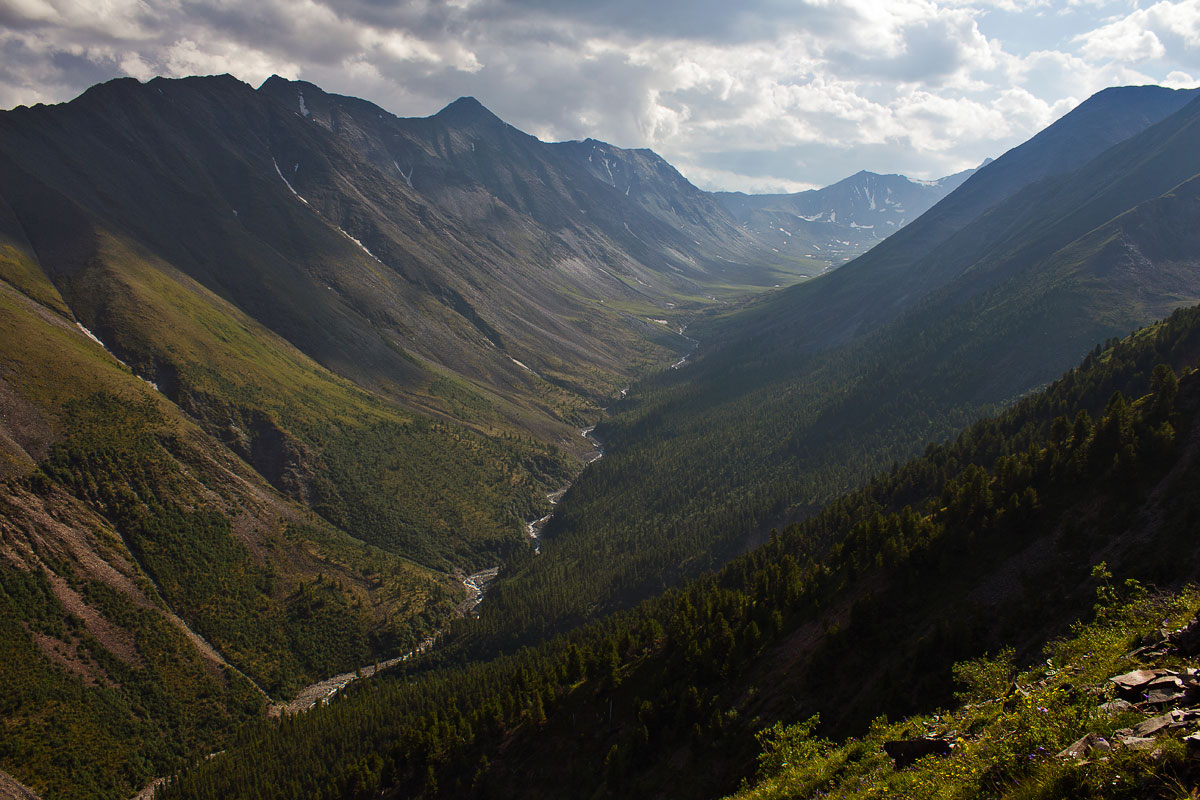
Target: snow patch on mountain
[285, 181]
[523, 366]
[408, 177]
[361, 245]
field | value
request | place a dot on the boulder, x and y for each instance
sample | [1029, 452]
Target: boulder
[1116, 706]
[1138, 742]
[1088, 744]
[1186, 640]
[1153, 725]
[1134, 681]
[1165, 689]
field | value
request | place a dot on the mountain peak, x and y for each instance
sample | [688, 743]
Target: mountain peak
[273, 82]
[276, 83]
[466, 102]
[468, 110]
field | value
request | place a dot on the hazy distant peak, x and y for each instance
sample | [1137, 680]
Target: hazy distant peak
[465, 103]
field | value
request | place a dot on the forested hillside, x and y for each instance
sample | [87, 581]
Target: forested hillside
[266, 399]
[763, 425]
[156, 591]
[987, 541]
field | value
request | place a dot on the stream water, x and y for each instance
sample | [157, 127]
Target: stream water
[534, 527]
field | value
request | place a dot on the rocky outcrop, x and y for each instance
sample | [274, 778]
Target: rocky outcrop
[1170, 696]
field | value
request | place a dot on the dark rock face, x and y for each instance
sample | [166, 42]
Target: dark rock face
[1186, 640]
[907, 751]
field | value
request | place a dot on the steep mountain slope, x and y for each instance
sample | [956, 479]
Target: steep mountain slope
[704, 229]
[860, 611]
[146, 158]
[880, 285]
[159, 215]
[666, 237]
[265, 396]
[154, 589]
[842, 220]
[759, 429]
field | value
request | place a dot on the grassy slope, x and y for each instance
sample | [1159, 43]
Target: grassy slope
[432, 491]
[117, 510]
[859, 611]
[1007, 726]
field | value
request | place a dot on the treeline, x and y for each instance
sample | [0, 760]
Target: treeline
[859, 610]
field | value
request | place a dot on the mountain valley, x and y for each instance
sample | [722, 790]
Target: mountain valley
[286, 378]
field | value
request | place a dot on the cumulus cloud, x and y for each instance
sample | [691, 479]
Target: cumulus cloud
[767, 95]
[1147, 34]
[1180, 80]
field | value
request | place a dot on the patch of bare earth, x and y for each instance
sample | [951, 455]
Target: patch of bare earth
[12, 789]
[147, 793]
[60, 528]
[74, 659]
[117, 641]
[37, 532]
[24, 432]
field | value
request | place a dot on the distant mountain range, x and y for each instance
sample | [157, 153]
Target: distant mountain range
[843, 220]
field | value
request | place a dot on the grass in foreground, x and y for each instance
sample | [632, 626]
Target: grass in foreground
[1009, 726]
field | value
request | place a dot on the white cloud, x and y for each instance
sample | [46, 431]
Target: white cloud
[186, 57]
[759, 94]
[1124, 40]
[1146, 33]
[1181, 80]
[719, 179]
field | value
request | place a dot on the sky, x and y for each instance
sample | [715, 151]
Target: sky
[746, 95]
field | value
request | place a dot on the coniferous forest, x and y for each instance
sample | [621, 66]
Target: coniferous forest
[981, 543]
